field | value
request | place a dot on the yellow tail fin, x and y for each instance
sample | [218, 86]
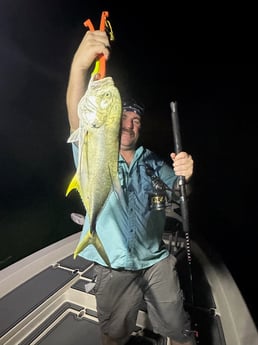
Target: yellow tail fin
[90, 238]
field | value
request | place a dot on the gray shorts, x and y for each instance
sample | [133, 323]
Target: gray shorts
[120, 295]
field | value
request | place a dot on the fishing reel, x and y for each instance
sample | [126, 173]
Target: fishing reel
[157, 201]
[158, 198]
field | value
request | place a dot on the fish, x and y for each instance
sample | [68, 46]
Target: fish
[98, 139]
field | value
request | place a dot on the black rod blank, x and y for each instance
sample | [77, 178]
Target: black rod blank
[183, 196]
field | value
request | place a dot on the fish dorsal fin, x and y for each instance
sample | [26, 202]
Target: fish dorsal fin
[74, 184]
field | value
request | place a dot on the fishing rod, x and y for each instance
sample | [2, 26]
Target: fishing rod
[182, 186]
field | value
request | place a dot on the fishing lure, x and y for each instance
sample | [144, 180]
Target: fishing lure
[100, 66]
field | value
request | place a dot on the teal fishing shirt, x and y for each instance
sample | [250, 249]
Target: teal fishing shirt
[129, 230]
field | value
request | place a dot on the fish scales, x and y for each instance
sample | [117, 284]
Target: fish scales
[98, 137]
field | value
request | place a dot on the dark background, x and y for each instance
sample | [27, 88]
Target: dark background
[204, 63]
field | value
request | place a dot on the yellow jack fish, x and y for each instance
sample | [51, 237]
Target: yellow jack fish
[98, 138]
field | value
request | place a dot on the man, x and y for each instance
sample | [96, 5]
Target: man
[142, 268]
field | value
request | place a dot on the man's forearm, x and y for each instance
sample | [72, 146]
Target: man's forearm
[76, 88]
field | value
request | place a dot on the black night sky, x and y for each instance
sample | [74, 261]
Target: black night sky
[213, 81]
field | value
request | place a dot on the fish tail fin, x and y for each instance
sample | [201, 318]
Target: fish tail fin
[92, 238]
[74, 184]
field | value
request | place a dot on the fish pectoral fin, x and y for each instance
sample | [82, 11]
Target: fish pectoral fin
[74, 136]
[74, 184]
[93, 239]
[117, 188]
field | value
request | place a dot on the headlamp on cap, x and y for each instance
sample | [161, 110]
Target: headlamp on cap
[132, 105]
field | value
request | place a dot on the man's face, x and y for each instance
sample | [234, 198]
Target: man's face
[130, 130]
